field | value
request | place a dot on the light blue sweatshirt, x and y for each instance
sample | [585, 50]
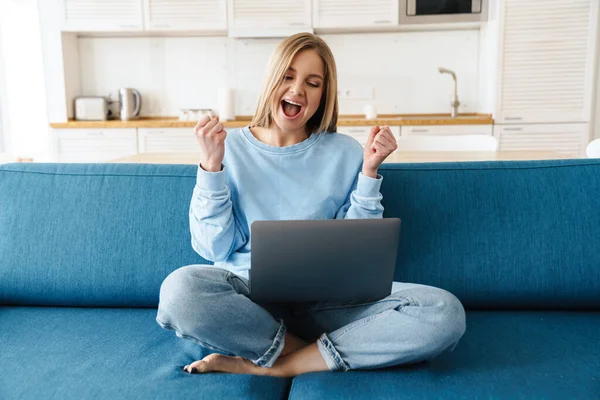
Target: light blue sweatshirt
[318, 178]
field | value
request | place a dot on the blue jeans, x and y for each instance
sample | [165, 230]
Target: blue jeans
[211, 307]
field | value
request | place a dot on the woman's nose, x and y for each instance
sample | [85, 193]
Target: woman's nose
[296, 88]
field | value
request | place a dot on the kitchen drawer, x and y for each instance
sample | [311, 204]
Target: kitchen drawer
[170, 140]
[566, 139]
[435, 130]
[361, 133]
[93, 145]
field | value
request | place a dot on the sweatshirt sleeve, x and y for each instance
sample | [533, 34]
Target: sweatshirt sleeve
[216, 232]
[364, 199]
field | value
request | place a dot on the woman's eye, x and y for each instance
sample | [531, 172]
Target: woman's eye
[313, 84]
[287, 77]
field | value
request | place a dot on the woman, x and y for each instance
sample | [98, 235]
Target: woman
[290, 164]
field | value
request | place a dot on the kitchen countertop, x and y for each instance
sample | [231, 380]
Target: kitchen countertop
[344, 120]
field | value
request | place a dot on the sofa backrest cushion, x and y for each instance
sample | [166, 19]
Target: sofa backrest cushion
[499, 235]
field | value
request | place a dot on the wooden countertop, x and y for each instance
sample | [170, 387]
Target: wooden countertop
[344, 120]
[396, 157]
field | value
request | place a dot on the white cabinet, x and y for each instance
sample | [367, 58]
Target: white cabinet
[93, 145]
[361, 133]
[355, 14]
[275, 18]
[546, 60]
[443, 130]
[158, 140]
[102, 15]
[185, 15]
[568, 139]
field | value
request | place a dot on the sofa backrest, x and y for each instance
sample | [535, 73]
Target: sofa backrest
[499, 235]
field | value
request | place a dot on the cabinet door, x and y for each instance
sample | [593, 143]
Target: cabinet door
[167, 140]
[275, 18]
[546, 60]
[93, 145]
[568, 139]
[185, 15]
[355, 14]
[361, 133]
[435, 130]
[102, 15]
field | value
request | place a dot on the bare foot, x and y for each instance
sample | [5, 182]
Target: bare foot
[306, 359]
[221, 363]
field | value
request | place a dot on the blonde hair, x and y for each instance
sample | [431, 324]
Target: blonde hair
[325, 118]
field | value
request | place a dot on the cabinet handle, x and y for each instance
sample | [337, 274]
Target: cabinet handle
[355, 130]
[296, 24]
[92, 133]
[161, 26]
[387, 21]
[128, 26]
[512, 129]
[513, 118]
[419, 130]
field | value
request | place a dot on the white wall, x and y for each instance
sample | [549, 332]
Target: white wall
[24, 95]
[4, 137]
[595, 125]
[186, 72]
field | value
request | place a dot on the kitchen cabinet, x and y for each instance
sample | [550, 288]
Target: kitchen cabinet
[276, 18]
[435, 130]
[185, 15]
[355, 14]
[361, 133]
[175, 140]
[102, 15]
[567, 139]
[546, 61]
[93, 145]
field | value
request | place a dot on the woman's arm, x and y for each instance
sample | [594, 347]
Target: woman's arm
[216, 232]
[364, 199]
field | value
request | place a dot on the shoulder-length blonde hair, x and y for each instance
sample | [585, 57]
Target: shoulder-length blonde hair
[326, 116]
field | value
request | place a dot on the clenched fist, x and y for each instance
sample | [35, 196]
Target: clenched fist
[211, 137]
[380, 144]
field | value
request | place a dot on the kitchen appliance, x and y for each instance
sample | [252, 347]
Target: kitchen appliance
[130, 102]
[441, 11]
[91, 108]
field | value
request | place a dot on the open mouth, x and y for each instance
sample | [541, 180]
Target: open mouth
[291, 109]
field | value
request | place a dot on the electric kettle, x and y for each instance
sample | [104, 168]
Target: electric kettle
[130, 102]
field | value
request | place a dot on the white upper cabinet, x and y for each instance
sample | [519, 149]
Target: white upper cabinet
[185, 15]
[546, 60]
[355, 13]
[272, 18]
[102, 15]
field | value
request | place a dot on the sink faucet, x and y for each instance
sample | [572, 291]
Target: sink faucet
[454, 103]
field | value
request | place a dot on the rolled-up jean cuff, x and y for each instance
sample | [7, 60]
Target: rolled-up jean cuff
[331, 356]
[268, 359]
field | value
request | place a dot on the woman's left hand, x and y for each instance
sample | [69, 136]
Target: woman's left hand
[380, 144]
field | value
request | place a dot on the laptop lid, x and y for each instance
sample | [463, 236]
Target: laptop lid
[323, 260]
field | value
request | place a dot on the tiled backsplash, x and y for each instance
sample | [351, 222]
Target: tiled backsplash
[186, 72]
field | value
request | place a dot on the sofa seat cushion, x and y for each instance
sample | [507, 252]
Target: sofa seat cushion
[75, 353]
[109, 353]
[503, 355]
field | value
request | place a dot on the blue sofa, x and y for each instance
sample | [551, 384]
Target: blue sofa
[85, 247]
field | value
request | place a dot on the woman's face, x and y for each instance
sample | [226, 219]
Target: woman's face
[299, 94]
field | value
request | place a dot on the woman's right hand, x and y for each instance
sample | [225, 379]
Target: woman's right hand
[211, 137]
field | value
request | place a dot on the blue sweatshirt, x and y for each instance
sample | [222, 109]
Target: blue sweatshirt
[318, 178]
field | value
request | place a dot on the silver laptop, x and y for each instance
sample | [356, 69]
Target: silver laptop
[323, 260]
